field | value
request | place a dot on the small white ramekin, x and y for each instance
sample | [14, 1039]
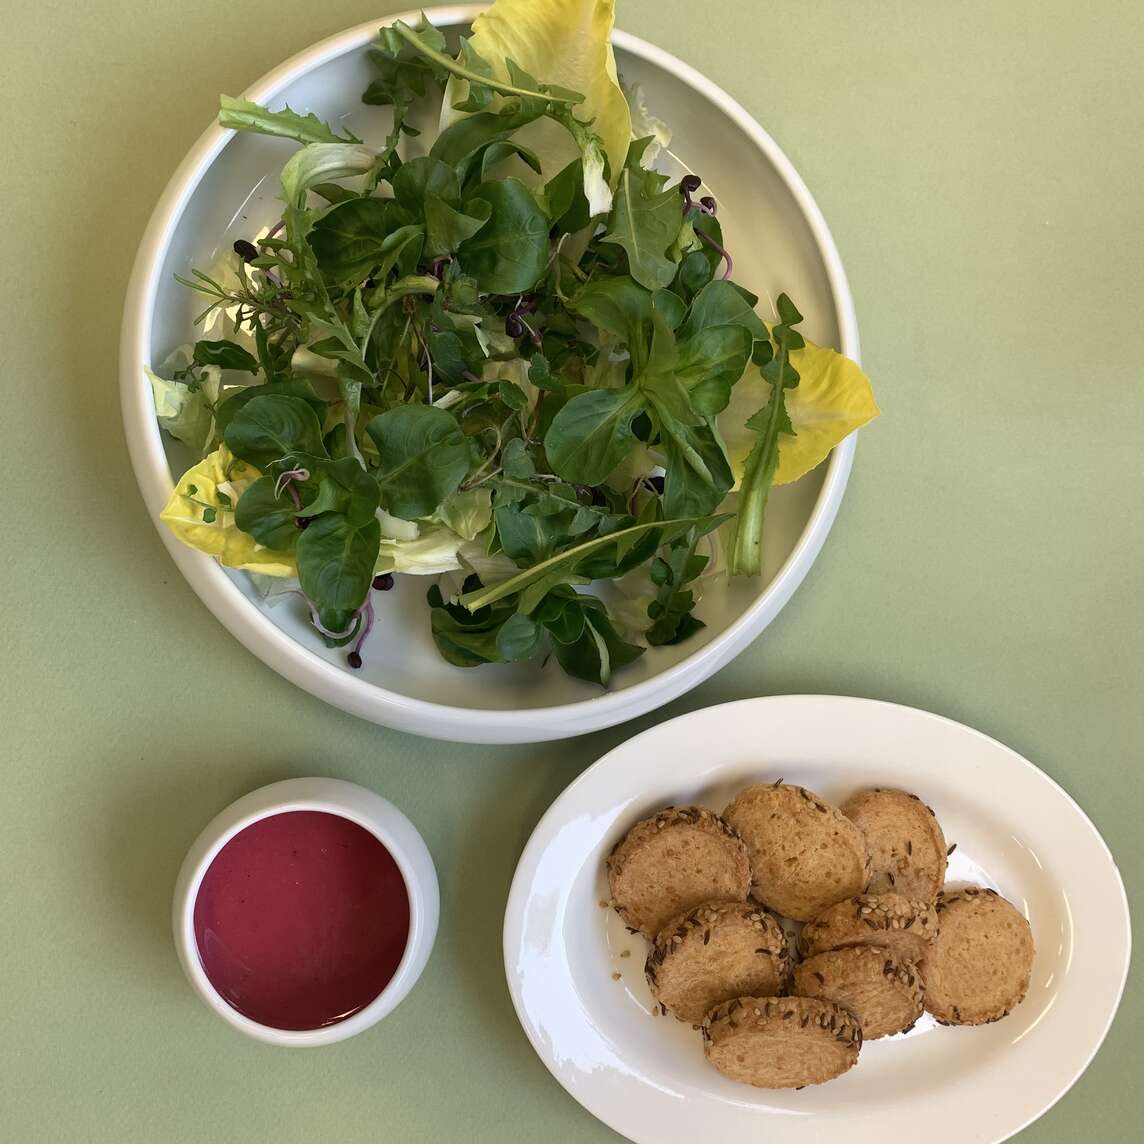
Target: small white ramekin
[371, 812]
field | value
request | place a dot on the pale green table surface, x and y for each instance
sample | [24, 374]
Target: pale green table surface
[981, 166]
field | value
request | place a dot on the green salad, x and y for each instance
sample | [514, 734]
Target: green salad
[507, 355]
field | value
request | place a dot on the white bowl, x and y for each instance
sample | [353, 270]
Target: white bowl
[225, 189]
[589, 1014]
[371, 812]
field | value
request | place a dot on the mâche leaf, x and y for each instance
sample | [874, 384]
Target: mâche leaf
[509, 252]
[335, 566]
[423, 455]
[272, 428]
[590, 435]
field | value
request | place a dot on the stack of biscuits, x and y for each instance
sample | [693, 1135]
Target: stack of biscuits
[880, 940]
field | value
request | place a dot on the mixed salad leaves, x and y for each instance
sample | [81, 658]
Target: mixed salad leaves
[512, 354]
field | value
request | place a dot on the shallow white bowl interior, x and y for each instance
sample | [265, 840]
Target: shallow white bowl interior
[371, 812]
[226, 190]
[1016, 831]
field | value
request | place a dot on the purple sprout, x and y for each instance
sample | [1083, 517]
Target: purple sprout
[688, 185]
[365, 613]
[361, 622]
[515, 323]
[723, 253]
[285, 483]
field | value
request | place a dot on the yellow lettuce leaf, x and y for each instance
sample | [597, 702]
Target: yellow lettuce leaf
[832, 399]
[197, 491]
[565, 43]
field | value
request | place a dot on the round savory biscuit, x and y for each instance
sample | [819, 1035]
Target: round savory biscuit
[781, 1042]
[805, 855]
[902, 925]
[979, 967]
[715, 952]
[670, 863]
[905, 841]
[884, 993]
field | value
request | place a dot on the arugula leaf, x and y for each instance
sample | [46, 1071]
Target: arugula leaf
[335, 566]
[510, 252]
[424, 458]
[768, 423]
[671, 610]
[433, 49]
[242, 115]
[645, 222]
[272, 428]
[564, 564]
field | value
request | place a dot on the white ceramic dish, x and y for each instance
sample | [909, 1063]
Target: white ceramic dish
[225, 189]
[370, 811]
[1016, 831]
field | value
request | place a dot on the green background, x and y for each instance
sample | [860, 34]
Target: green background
[980, 165]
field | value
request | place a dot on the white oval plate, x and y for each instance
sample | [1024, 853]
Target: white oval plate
[227, 187]
[1015, 830]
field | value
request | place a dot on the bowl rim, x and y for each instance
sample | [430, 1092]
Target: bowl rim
[793, 708]
[332, 683]
[372, 813]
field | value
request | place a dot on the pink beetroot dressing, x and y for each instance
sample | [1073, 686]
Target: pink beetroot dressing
[301, 920]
